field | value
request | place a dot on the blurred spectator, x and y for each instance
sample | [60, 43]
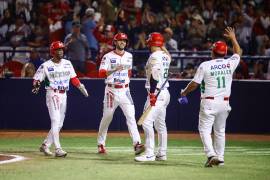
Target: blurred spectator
[170, 43]
[121, 23]
[243, 30]
[107, 10]
[104, 34]
[260, 28]
[132, 7]
[77, 48]
[188, 72]
[23, 7]
[18, 32]
[216, 29]
[242, 71]
[38, 37]
[197, 31]
[140, 42]
[28, 70]
[259, 70]
[5, 22]
[35, 58]
[88, 26]
[149, 19]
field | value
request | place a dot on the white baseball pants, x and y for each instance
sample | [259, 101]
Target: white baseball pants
[56, 103]
[112, 99]
[213, 114]
[156, 118]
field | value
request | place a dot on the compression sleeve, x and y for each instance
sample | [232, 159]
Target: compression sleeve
[75, 81]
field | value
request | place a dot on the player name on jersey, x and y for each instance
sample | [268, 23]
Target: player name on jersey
[220, 69]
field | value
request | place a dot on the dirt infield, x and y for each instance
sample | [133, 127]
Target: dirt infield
[5, 157]
[173, 135]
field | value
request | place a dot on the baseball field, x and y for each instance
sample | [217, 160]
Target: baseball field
[246, 157]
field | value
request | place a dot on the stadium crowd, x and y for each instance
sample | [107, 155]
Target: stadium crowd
[87, 28]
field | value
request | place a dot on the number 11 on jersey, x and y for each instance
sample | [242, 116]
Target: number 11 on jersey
[219, 79]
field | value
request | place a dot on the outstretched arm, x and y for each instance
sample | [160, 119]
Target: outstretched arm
[190, 87]
[230, 34]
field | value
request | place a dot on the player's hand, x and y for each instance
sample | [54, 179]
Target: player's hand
[36, 86]
[229, 33]
[119, 68]
[153, 99]
[183, 100]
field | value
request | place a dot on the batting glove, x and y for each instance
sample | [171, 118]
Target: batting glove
[183, 100]
[36, 86]
[83, 90]
[153, 99]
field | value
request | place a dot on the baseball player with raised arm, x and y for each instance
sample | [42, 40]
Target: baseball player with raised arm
[157, 71]
[215, 77]
[116, 67]
[56, 72]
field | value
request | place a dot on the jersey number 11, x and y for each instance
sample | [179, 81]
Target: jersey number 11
[219, 79]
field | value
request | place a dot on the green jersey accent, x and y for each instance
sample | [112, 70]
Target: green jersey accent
[221, 78]
[47, 82]
[203, 87]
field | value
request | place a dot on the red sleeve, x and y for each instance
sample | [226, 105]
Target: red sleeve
[102, 73]
[129, 73]
[75, 81]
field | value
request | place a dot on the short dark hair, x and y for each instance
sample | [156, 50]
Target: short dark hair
[218, 55]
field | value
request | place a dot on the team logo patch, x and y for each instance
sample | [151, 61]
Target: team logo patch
[113, 60]
[50, 69]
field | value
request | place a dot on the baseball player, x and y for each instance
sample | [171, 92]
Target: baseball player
[215, 78]
[157, 69]
[56, 72]
[116, 67]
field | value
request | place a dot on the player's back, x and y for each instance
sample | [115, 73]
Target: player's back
[161, 61]
[218, 75]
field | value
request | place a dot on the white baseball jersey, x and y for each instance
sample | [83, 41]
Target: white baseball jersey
[158, 66]
[215, 76]
[110, 61]
[56, 75]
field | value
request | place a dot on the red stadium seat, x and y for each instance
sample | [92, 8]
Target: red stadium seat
[15, 67]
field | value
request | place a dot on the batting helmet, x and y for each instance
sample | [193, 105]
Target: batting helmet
[56, 45]
[220, 48]
[155, 39]
[120, 36]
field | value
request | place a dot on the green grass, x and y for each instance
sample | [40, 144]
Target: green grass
[243, 161]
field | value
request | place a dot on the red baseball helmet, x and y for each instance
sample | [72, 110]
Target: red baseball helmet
[56, 45]
[120, 36]
[220, 48]
[155, 39]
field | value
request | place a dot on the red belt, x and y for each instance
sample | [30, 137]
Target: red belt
[210, 97]
[117, 86]
[59, 91]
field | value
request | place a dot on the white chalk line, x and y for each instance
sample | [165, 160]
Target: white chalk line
[15, 158]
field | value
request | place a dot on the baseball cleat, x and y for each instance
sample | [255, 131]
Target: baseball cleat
[145, 158]
[45, 149]
[60, 153]
[101, 149]
[139, 148]
[220, 163]
[213, 160]
[161, 157]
